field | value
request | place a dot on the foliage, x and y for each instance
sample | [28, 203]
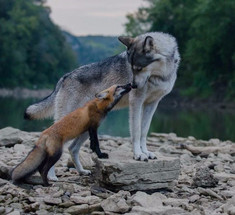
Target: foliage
[205, 32]
[91, 49]
[33, 51]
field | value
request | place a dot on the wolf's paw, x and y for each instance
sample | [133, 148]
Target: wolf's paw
[150, 155]
[52, 177]
[103, 155]
[84, 172]
[141, 157]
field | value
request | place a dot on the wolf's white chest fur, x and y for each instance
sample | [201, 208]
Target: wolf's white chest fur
[157, 88]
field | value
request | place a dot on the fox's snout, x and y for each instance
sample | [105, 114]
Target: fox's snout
[125, 88]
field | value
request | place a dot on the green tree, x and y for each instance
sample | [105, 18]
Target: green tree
[33, 51]
[204, 30]
[210, 48]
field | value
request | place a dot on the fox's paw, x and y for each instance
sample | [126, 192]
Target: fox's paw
[52, 178]
[85, 172]
[141, 157]
[103, 155]
[150, 155]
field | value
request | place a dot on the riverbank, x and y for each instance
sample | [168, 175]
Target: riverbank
[171, 100]
[24, 93]
[206, 184]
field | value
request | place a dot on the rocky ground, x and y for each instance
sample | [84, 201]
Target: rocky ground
[205, 185]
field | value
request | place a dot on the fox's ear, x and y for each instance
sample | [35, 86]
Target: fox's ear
[127, 41]
[148, 44]
[101, 95]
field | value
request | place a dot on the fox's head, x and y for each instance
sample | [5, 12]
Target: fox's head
[110, 97]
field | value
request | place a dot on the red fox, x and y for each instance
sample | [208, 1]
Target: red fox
[48, 148]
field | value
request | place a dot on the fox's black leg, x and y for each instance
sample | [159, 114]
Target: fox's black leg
[94, 143]
[50, 161]
[41, 171]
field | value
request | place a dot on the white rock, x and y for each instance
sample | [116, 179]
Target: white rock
[19, 148]
[186, 159]
[78, 209]
[229, 206]
[122, 172]
[232, 169]
[10, 136]
[86, 160]
[167, 210]
[168, 149]
[144, 200]
[231, 210]
[116, 203]
[176, 202]
[14, 213]
[194, 198]
[214, 141]
[85, 200]
[52, 201]
[225, 176]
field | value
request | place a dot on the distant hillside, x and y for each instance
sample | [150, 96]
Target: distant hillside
[91, 49]
[33, 50]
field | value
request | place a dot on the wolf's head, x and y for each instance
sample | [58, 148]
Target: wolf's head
[149, 53]
[110, 97]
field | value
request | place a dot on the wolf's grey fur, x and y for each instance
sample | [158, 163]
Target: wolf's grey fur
[150, 63]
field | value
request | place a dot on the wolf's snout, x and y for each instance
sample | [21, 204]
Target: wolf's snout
[128, 86]
[134, 85]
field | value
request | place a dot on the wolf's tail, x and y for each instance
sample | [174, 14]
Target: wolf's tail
[30, 164]
[45, 107]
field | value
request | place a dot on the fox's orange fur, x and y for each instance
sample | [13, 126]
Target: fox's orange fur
[48, 148]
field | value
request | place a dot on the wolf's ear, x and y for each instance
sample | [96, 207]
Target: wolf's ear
[101, 95]
[127, 41]
[148, 44]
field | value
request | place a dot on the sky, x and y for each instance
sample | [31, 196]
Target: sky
[93, 17]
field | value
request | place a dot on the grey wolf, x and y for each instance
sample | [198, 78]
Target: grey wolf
[48, 148]
[150, 63]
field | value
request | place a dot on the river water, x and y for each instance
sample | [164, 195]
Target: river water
[200, 123]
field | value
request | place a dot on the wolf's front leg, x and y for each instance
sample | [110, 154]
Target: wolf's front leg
[148, 111]
[74, 152]
[135, 115]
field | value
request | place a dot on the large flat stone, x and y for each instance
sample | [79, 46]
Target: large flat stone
[10, 136]
[121, 171]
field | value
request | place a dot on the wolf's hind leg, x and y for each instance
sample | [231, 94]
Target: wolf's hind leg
[51, 174]
[74, 152]
[148, 111]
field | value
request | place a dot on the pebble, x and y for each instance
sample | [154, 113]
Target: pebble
[74, 194]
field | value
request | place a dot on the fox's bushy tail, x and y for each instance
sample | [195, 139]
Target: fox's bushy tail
[45, 107]
[30, 165]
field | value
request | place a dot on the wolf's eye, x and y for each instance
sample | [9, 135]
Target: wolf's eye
[136, 68]
[147, 52]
